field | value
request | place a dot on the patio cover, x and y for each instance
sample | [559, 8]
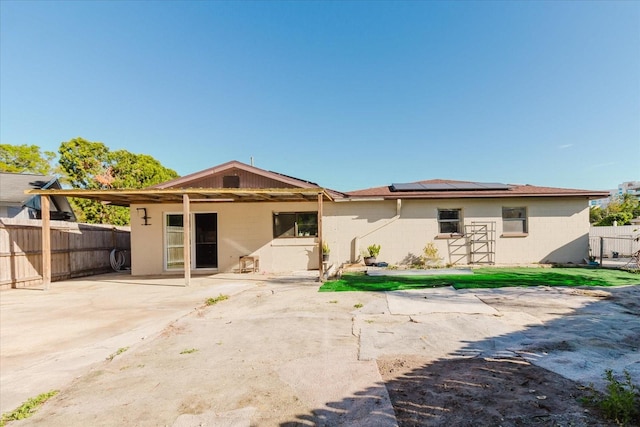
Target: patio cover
[186, 196]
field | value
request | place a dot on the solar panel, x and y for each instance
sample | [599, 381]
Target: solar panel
[445, 186]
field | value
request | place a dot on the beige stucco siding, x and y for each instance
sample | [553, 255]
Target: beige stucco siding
[243, 229]
[557, 229]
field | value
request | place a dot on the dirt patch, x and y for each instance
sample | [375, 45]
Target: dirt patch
[483, 391]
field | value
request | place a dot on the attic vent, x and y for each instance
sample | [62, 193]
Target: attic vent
[231, 181]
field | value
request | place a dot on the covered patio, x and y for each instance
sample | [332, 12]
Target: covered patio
[186, 197]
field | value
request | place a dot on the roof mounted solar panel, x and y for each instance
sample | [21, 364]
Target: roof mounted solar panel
[411, 186]
[448, 186]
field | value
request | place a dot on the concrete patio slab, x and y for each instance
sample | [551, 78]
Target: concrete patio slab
[436, 300]
[278, 352]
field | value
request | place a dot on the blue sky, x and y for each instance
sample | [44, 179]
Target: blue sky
[346, 94]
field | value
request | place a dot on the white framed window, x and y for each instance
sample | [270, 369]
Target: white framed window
[514, 220]
[295, 224]
[450, 221]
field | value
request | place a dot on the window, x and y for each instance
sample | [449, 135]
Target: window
[295, 224]
[514, 220]
[450, 221]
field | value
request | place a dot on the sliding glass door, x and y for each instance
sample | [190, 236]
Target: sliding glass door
[204, 240]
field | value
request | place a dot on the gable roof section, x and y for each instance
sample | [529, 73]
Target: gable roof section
[256, 185]
[250, 177]
[12, 186]
[450, 189]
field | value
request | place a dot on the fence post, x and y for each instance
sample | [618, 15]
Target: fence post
[601, 250]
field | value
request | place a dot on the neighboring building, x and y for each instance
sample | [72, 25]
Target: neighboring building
[14, 203]
[470, 223]
[628, 187]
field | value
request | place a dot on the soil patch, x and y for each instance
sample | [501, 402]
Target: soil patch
[482, 392]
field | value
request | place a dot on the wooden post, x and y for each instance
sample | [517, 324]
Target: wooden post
[321, 265]
[46, 241]
[601, 250]
[186, 223]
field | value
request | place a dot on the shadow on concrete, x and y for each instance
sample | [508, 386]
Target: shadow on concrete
[505, 379]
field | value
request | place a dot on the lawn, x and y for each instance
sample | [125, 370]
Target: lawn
[486, 278]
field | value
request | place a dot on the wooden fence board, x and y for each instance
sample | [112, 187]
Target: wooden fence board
[76, 250]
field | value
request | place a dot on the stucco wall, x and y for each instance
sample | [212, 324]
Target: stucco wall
[557, 229]
[243, 229]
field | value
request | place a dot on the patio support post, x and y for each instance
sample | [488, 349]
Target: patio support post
[186, 223]
[46, 241]
[321, 263]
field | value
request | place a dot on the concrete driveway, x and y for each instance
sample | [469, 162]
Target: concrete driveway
[277, 352]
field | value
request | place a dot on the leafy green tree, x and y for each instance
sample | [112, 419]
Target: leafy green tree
[26, 158]
[91, 165]
[621, 210]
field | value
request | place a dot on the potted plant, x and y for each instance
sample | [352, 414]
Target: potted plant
[325, 251]
[372, 252]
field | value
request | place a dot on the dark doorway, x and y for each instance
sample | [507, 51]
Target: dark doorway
[206, 240]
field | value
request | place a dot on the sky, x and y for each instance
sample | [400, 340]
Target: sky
[347, 94]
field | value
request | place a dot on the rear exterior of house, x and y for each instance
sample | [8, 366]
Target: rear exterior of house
[469, 223]
[282, 234]
[488, 231]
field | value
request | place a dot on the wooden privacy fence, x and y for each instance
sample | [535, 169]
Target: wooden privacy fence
[620, 239]
[76, 250]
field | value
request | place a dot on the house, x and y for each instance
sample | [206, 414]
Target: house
[14, 203]
[213, 219]
[468, 222]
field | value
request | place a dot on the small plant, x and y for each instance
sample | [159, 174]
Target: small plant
[430, 257]
[325, 248]
[28, 408]
[373, 250]
[358, 305]
[189, 351]
[117, 353]
[333, 301]
[621, 402]
[213, 301]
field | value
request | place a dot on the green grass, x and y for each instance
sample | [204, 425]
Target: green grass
[486, 278]
[27, 409]
[213, 301]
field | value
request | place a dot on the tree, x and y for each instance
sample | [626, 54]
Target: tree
[91, 165]
[26, 159]
[621, 210]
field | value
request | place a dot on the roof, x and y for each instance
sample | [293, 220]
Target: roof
[286, 189]
[450, 189]
[12, 186]
[175, 195]
[185, 181]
